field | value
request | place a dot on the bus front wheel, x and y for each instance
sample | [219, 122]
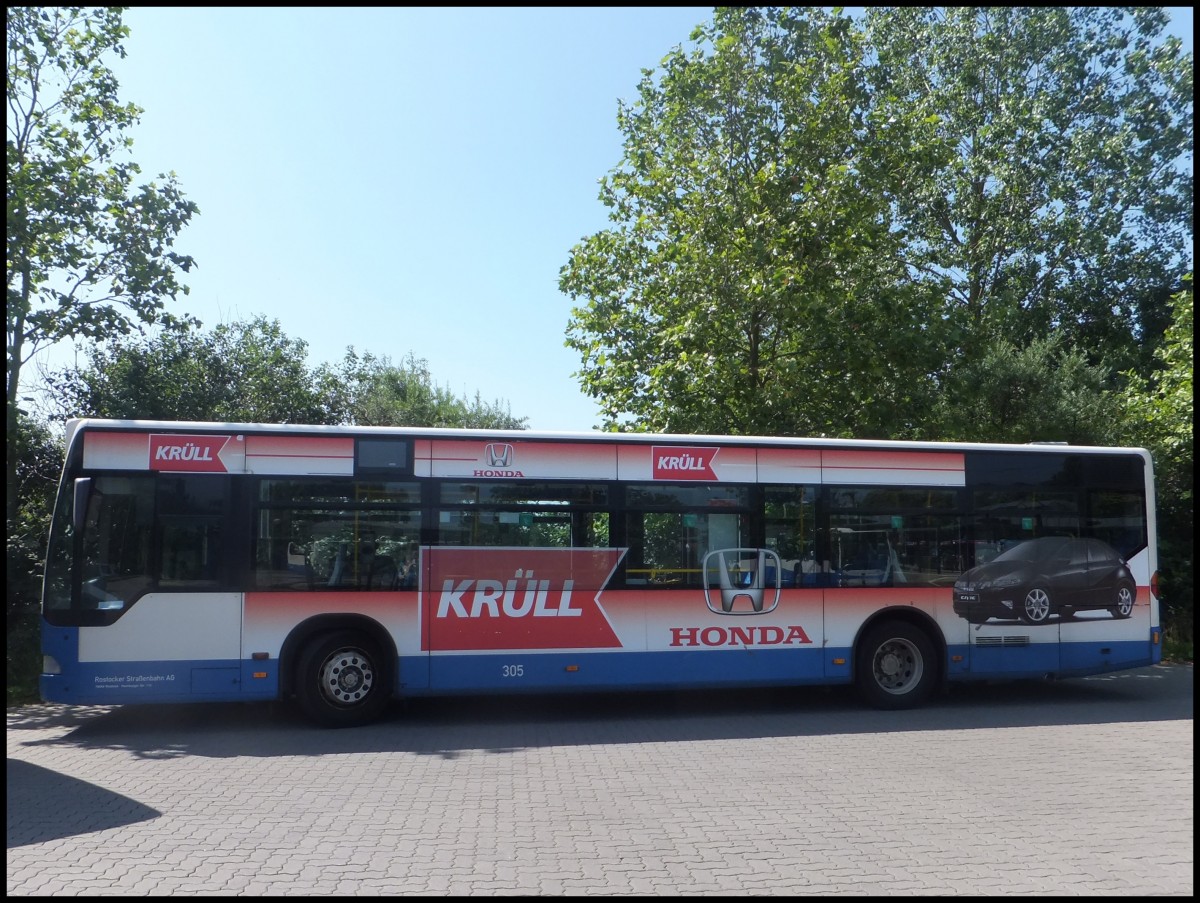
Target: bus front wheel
[895, 666]
[342, 680]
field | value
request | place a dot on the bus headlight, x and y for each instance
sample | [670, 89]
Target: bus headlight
[50, 665]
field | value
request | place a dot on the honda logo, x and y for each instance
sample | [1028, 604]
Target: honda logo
[499, 454]
[742, 581]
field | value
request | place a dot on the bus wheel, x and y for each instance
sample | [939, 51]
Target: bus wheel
[895, 666]
[342, 680]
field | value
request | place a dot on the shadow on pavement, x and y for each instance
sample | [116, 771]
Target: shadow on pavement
[447, 726]
[45, 805]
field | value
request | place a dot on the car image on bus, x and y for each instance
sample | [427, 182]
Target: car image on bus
[342, 567]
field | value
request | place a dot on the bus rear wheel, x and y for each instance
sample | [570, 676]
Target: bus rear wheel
[895, 666]
[342, 680]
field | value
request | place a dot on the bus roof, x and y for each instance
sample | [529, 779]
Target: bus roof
[75, 425]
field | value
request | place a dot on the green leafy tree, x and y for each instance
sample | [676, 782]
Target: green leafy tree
[817, 226]
[252, 372]
[1161, 413]
[750, 280]
[372, 391]
[89, 250]
[39, 464]
[1037, 393]
[1162, 406]
[1059, 200]
[237, 372]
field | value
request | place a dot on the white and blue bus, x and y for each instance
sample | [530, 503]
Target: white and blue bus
[343, 567]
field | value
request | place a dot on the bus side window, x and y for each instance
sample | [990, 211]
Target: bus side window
[670, 529]
[190, 524]
[789, 516]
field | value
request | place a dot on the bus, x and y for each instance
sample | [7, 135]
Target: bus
[340, 568]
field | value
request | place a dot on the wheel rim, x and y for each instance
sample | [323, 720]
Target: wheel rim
[1124, 601]
[346, 677]
[1037, 605]
[898, 666]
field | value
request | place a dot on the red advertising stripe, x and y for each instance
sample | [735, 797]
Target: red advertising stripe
[678, 462]
[506, 598]
[300, 447]
[872, 459]
[188, 454]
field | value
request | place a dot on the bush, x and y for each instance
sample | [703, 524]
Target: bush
[23, 645]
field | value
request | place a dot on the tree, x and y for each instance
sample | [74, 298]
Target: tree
[89, 252]
[816, 226]
[1059, 200]
[1036, 393]
[1161, 413]
[238, 372]
[372, 391]
[751, 280]
[39, 464]
[1162, 406]
[252, 372]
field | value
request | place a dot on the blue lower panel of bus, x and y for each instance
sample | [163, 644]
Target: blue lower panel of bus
[516, 672]
[1056, 660]
[112, 683]
[109, 683]
[1078, 659]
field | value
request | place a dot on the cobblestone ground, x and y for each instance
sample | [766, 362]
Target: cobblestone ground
[1077, 788]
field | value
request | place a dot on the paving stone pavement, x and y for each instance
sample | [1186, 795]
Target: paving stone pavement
[1079, 788]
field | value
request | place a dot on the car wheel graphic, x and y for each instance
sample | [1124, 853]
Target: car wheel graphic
[1035, 607]
[1125, 598]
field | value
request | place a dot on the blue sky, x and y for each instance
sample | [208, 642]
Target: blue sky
[399, 179]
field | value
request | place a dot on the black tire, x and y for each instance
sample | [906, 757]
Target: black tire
[1126, 596]
[896, 666]
[1035, 607]
[343, 679]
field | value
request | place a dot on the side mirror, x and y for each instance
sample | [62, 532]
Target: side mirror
[83, 494]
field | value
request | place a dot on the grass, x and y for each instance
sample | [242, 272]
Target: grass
[1179, 642]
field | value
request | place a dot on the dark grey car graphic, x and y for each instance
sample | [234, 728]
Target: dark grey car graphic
[1054, 575]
